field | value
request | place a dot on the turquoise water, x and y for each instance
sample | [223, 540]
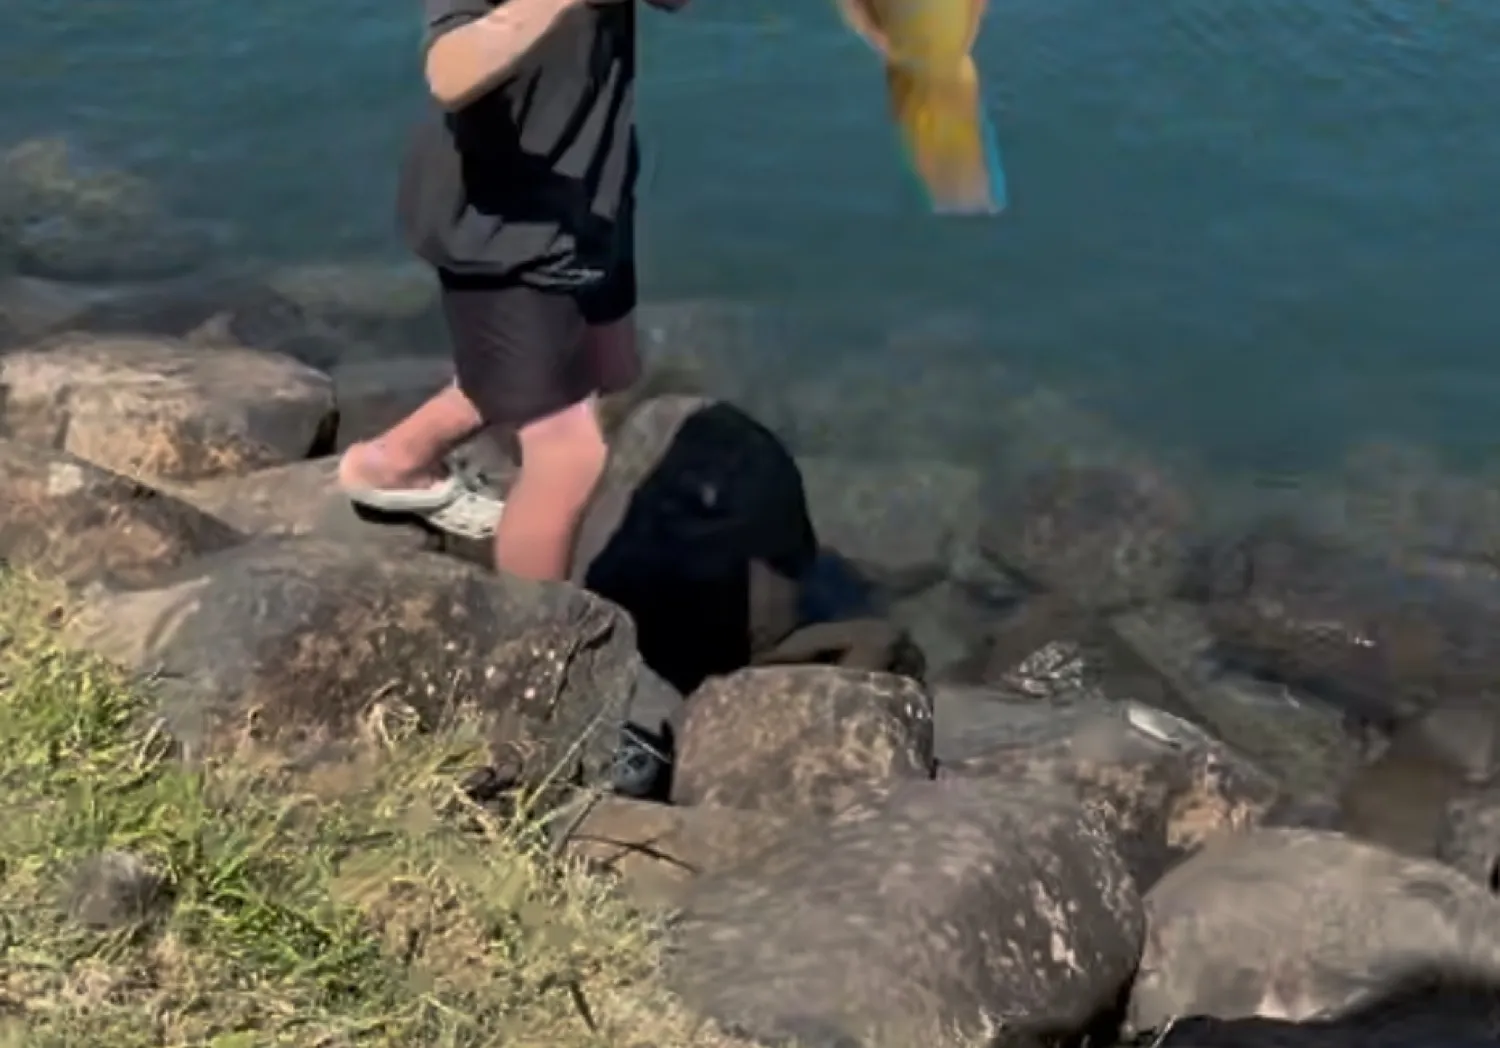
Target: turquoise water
[1261, 232]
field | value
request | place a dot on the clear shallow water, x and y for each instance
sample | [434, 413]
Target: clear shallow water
[1258, 232]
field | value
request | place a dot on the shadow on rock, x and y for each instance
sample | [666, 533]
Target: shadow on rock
[701, 510]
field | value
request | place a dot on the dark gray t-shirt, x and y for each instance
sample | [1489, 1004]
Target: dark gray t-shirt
[534, 181]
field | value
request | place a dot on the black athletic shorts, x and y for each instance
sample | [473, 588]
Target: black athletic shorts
[518, 349]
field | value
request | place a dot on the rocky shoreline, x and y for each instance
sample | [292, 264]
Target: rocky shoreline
[1043, 751]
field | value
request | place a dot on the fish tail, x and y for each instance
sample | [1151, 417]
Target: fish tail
[949, 136]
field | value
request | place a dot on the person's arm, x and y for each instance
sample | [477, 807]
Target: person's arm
[470, 53]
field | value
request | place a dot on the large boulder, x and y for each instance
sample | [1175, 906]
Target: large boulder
[158, 408]
[900, 522]
[295, 640]
[1107, 536]
[1300, 924]
[943, 909]
[1385, 640]
[805, 739]
[63, 218]
[1162, 785]
[697, 499]
[67, 518]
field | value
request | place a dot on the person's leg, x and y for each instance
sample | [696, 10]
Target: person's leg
[563, 454]
[409, 455]
[521, 364]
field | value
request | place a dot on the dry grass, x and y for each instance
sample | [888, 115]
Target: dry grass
[367, 903]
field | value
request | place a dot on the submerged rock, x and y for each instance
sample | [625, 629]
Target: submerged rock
[963, 908]
[1105, 536]
[1385, 641]
[899, 521]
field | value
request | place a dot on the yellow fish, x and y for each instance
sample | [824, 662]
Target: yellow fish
[935, 98]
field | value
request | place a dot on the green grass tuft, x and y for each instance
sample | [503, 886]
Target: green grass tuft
[364, 902]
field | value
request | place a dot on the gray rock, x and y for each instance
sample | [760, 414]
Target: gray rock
[162, 408]
[949, 908]
[1162, 785]
[1469, 837]
[294, 640]
[67, 518]
[1385, 641]
[1302, 924]
[114, 889]
[805, 739]
[1106, 536]
[899, 521]
[72, 247]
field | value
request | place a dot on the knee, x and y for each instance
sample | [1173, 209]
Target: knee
[565, 451]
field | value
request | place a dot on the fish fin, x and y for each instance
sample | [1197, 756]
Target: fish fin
[949, 137]
[862, 17]
[976, 22]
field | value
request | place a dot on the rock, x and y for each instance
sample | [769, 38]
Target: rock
[1161, 784]
[657, 849]
[899, 521]
[872, 645]
[950, 406]
[64, 220]
[1105, 536]
[114, 889]
[155, 408]
[373, 395]
[949, 622]
[1469, 837]
[358, 291]
[1426, 1016]
[31, 308]
[944, 909]
[1399, 799]
[801, 739]
[1303, 924]
[66, 518]
[1382, 640]
[722, 345]
[1053, 650]
[1292, 734]
[303, 498]
[294, 640]
[174, 308]
[74, 248]
[695, 496]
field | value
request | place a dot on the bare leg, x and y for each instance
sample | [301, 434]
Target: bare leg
[410, 453]
[562, 459]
